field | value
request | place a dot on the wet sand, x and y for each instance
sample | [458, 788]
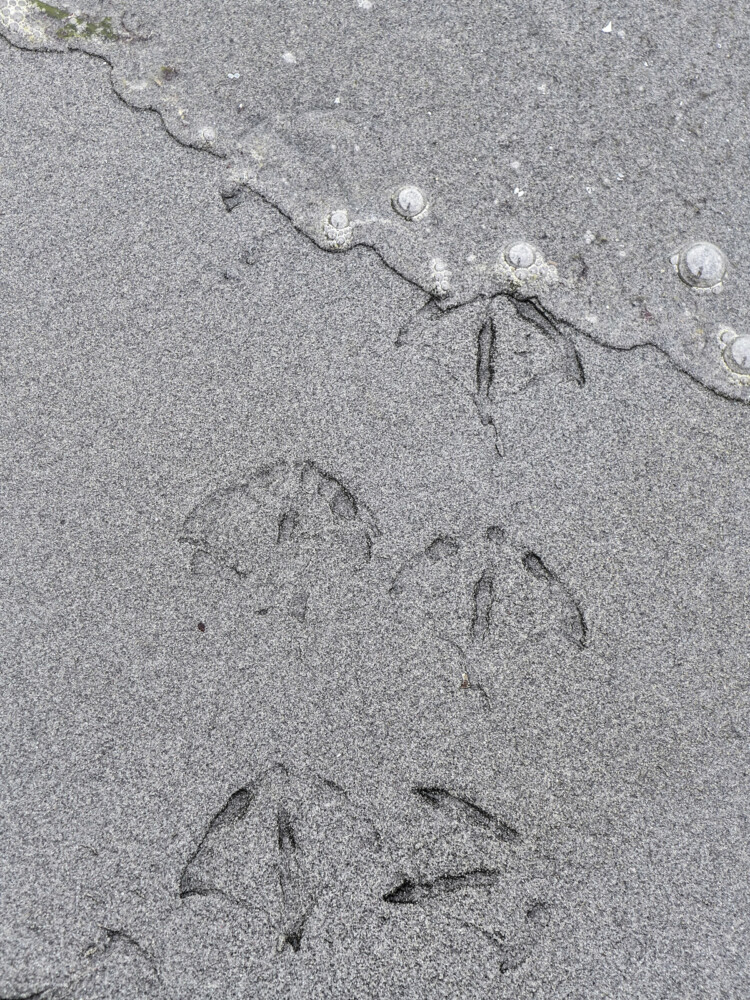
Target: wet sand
[363, 640]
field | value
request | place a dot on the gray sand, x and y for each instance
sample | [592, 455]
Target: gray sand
[360, 641]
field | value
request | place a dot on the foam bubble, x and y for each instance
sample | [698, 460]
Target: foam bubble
[702, 266]
[735, 351]
[337, 230]
[410, 202]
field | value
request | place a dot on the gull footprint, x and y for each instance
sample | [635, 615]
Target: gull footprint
[281, 532]
[116, 967]
[275, 847]
[468, 897]
[488, 591]
[495, 352]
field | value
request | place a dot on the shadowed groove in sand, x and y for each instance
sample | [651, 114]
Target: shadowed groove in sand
[458, 807]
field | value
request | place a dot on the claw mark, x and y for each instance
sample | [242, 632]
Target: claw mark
[409, 892]
[463, 809]
[292, 935]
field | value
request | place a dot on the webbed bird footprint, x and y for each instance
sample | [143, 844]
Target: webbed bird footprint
[487, 591]
[281, 532]
[115, 966]
[487, 892]
[496, 352]
[276, 846]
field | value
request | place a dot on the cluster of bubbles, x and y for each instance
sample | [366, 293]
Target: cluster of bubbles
[440, 278]
[521, 262]
[337, 230]
[702, 266]
[14, 15]
[735, 351]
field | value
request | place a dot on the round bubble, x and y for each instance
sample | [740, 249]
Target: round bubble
[520, 254]
[409, 202]
[339, 219]
[702, 265]
[739, 350]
